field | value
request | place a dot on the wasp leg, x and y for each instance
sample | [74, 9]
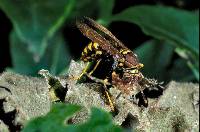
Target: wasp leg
[97, 80]
[84, 71]
[108, 96]
[95, 67]
[109, 100]
[105, 84]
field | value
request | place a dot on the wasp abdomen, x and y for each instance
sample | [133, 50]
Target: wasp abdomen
[91, 52]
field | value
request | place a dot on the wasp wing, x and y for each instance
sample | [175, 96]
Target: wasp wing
[98, 38]
[107, 40]
[107, 34]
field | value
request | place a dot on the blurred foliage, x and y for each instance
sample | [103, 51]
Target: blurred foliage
[55, 58]
[56, 121]
[156, 61]
[179, 28]
[37, 42]
[35, 22]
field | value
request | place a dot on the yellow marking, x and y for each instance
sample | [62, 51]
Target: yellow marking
[121, 50]
[95, 67]
[122, 60]
[82, 54]
[96, 45]
[85, 50]
[98, 52]
[125, 52]
[135, 71]
[138, 66]
[121, 64]
[90, 46]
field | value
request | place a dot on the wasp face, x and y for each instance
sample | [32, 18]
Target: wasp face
[130, 59]
[132, 71]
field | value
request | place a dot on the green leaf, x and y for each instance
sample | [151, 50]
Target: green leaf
[58, 55]
[99, 121]
[105, 11]
[180, 71]
[156, 56]
[195, 69]
[36, 21]
[84, 8]
[54, 121]
[55, 59]
[178, 26]
[22, 60]
[192, 63]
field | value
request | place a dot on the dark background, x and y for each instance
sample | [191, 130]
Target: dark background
[129, 34]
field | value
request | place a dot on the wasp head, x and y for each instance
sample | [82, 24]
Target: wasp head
[130, 60]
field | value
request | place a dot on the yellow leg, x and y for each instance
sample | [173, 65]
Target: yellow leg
[84, 70]
[97, 80]
[108, 96]
[95, 67]
[110, 101]
[105, 83]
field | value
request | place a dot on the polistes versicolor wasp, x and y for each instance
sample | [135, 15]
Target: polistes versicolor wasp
[123, 71]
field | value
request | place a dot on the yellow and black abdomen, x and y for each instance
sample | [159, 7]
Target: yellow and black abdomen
[91, 52]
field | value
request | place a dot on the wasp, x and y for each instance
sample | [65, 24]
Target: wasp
[124, 71]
